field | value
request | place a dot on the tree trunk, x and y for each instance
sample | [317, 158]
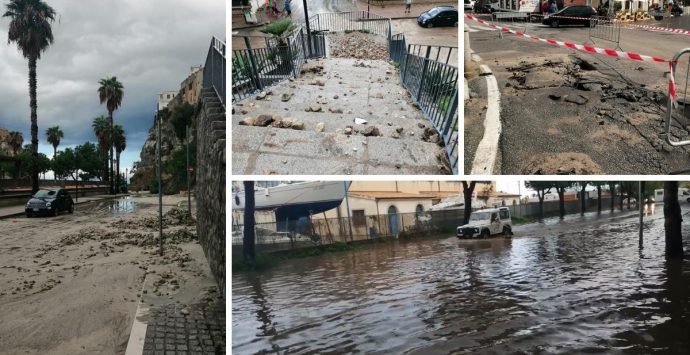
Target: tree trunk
[110, 158]
[34, 124]
[561, 202]
[599, 199]
[583, 203]
[541, 206]
[54, 152]
[467, 190]
[672, 221]
[248, 240]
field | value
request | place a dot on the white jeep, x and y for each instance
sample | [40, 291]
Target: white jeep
[485, 223]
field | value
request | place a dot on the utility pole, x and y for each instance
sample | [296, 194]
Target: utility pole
[160, 187]
[347, 204]
[189, 184]
[306, 21]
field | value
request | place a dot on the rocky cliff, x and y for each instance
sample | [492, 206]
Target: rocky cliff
[145, 173]
[4, 142]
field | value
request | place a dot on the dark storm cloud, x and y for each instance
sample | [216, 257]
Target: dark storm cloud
[148, 44]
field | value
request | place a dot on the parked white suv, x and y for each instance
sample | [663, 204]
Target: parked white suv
[485, 223]
[469, 5]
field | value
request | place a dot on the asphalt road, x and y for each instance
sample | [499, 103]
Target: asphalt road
[612, 133]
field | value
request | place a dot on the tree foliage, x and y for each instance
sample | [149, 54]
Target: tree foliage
[181, 117]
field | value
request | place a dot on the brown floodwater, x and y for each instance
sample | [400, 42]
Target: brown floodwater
[574, 286]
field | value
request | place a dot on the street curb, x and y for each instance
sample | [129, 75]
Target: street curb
[137, 334]
[76, 203]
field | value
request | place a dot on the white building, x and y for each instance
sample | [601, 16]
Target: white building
[164, 98]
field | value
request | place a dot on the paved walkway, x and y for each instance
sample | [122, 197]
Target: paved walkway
[177, 329]
[16, 210]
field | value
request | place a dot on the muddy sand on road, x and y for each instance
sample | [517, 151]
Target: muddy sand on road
[567, 112]
[72, 284]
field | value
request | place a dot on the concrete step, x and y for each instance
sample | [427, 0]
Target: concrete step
[344, 90]
[268, 150]
[412, 129]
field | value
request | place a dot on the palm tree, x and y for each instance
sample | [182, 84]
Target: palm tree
[101, 127]
[54, 134]
[110, 92]
[30, 29]
[120, 143]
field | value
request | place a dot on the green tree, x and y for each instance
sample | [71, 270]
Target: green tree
[88, 160]
[612, 192]
[560, 187]
[53, 135]
[111, 93]
[101, 127]
[599, 185]
[542, 188]
[65, 164]
[181, 118]
[176, 166]
[30, 28]
[582, 185]
[120, 143]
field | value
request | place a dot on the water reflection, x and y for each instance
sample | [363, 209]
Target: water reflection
[581, 285]
[122, 205]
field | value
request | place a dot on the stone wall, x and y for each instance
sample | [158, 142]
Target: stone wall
[210, 187]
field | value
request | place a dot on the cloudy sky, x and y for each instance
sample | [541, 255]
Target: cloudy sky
[148, 44]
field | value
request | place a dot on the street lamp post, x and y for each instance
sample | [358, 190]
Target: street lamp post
[127, 179]
[160, 187]
[189, 184]
[306, 21]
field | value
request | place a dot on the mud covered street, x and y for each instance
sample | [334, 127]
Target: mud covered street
[71, 284]
[571, 286]
[569, 112]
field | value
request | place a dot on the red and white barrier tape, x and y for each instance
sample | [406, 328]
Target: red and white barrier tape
[661, 29]
[590, 49]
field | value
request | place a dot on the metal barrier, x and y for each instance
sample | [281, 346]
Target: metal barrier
[433, 86]
[214, 69]
[255, 69]
[604, 28]
[361, 21]
[441, 54]
[679, 113]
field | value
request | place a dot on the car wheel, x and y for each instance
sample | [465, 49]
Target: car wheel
[555, 24]
[56, 212]
[485, 234]
[429, 25]
[28, 215]
[507, 231]
[71, 208]
[455, 24]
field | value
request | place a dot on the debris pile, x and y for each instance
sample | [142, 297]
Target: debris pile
[358, 45]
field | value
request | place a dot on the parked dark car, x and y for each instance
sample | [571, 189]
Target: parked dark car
[571, 15]
[49, 202]
[438, 17]
[676, 10]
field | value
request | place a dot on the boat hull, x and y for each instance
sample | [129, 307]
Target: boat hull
[290, 202]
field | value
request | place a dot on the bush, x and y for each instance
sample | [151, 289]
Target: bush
[153, 187]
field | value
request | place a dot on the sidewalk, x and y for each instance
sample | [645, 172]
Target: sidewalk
[18, 210]
[396, 11]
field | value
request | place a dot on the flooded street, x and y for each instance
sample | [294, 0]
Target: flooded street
[580, 285]
[71, 284]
